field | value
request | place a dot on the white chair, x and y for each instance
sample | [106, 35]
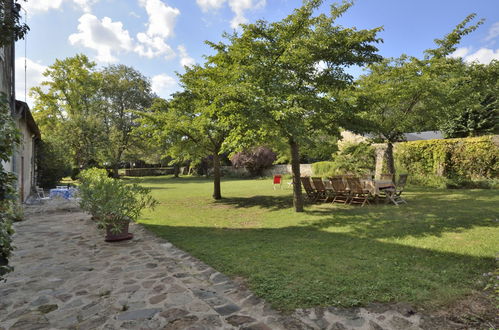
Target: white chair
[41, 194]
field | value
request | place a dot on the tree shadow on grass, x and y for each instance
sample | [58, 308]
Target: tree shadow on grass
[170, 179]
[299, 267]
[430, 214]
[272, 203]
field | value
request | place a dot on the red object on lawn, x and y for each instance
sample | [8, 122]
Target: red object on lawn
[277, 180]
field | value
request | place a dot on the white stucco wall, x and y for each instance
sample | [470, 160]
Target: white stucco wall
[22, 162]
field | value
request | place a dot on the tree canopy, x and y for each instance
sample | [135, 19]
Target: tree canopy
[291, 71]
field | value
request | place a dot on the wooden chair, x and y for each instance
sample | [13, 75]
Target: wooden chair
[309, 189]
[387, 176]
[341, 193]
[394, 194]
[323, 194]
[358, 194]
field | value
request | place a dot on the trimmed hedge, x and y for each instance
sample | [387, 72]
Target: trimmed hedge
[354, 158]
[450, 162]
[324, 169]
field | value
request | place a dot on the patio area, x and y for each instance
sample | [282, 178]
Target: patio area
[66, 277]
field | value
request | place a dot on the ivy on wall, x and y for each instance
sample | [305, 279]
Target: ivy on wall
[466, 159]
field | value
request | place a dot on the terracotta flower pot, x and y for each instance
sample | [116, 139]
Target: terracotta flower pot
[114, 236]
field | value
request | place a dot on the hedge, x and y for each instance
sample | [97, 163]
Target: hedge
[440, 162]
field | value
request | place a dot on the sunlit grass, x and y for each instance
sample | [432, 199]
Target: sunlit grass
[431, 251]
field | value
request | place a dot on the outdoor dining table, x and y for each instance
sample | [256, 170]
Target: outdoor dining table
[377, 186]
[66, 193]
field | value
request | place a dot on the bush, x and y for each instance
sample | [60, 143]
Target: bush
[255, 160]
[463, 163]
[354, 158]
[9, 138]
[53, 164]
[111, 201]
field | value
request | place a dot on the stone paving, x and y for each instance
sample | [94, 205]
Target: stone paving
[67, 277]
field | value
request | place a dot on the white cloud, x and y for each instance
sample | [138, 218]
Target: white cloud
[240, 6]
[160, 25]
[460, 52]
[185, 59]
[164, 85]
[482, 55]
[493, 32]
[38, 6]
[34, 77]
[153, 46]
[161, 18]
[237, 6]
[106, 37]
[207, 5]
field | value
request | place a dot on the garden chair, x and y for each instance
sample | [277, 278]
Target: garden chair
[309, 189]
[358, 194]
[277, 181]
[323, 194]
[394, 194]
[40, 193]
[341, 193]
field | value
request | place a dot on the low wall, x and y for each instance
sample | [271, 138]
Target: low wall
[148, 171]
[305, 169]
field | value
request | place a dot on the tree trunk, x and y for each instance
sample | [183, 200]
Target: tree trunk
[115, 170]
[295, 168]
[216, 176]
[176, 170]
[390, 163]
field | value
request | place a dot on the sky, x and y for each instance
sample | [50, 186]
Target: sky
[160, 37]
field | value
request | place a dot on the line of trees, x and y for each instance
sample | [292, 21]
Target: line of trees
[281, 84]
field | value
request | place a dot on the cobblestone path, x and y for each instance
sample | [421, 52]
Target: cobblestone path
[67, 277]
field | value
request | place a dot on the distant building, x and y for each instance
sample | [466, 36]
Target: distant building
[428, 135]
[349, 137]
[23, 162]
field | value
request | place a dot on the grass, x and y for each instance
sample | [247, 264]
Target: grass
[429, 252]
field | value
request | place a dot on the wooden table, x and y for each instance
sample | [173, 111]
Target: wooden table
[377, 186]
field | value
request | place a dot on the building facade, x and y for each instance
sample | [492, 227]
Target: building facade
[23, 162]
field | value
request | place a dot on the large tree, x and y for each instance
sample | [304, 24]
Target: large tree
[292, 70]
[192, 125]
[408, 94]
[68, 106]
[477, 105]
[126, 92]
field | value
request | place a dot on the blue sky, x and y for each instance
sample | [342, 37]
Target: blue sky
[158, 37]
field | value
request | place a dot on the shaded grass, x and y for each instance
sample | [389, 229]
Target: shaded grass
[429, 252]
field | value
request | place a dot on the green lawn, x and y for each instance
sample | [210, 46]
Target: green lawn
[429, 252]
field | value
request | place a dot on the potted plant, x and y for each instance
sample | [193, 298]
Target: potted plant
[113, 203]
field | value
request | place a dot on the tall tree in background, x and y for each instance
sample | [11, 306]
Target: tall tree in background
[126, 92]
[477, 104]
[69, 106]
[292, 70]
[193, 125]
[408, 94]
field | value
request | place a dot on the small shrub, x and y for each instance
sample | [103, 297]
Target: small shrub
[112, 201]
[324, 169]
[255, 160]
[354, 158]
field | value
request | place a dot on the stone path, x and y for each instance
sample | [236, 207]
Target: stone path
[67, 277]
